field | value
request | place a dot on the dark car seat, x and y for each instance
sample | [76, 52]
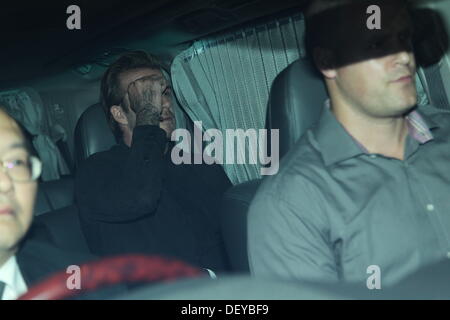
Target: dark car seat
[53, 195]
[62, 228]
[295, 103]
[62, 225]
[55, 219]
[92, 133]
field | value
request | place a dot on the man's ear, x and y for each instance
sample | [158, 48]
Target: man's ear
[119, 115]
[325, 61]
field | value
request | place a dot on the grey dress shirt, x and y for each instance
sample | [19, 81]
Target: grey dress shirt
[333, 210]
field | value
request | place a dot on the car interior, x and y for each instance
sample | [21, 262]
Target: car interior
[232, 64]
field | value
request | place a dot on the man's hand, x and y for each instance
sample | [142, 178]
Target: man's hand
[144, 97]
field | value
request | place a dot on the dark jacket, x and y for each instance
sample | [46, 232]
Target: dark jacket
[135, 200]
[39, 260]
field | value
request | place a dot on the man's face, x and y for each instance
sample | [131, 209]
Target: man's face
[167, 116]
[16, 198]
[376, 68]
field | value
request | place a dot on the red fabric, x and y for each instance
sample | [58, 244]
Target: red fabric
[110, 271]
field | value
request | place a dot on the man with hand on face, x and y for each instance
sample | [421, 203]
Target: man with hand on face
[368, 187]
[23, 262]
[132, 198]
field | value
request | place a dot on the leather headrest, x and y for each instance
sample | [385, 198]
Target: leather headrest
[92, 133]
[296, 100]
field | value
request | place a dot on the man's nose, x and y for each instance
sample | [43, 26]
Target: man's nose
[6, 183]
[404, 58]
[404, 53]
[166, 102]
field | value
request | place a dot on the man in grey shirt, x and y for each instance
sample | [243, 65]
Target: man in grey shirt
[368, 187]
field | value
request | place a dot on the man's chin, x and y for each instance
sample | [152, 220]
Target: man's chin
[408, 98]
[408, 105]
[9, 242]
[403, 105]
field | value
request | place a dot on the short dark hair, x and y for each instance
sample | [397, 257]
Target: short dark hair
[110, 93]
[322, 15]
[317, 26]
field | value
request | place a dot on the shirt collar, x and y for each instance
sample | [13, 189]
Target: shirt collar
[334, 141]
[336, 144]
[10, 274]
[420, 125]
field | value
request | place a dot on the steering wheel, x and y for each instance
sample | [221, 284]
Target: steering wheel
[112, 271]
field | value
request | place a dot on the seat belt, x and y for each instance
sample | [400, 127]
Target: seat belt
[437, 94]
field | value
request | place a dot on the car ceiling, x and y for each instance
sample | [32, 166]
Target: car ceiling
[36, 42]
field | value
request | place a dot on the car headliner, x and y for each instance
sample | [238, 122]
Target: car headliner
[36, 42]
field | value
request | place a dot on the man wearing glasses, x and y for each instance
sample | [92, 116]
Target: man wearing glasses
[22, 262]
